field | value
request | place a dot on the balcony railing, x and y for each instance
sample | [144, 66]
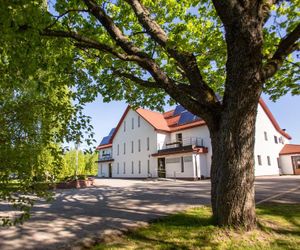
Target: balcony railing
[188, 141]
[105, 157]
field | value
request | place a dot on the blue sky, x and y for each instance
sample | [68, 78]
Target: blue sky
[106, 115]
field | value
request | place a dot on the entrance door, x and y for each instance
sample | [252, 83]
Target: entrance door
[161, 170]
[109, 170]
[296, 164]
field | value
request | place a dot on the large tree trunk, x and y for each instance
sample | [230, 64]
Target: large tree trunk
[232, 172]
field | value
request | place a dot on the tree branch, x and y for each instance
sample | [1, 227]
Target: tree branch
[63, 14]
[139, 81]
[286, 46]
[186, 60]
[113, 30]
[85, 42]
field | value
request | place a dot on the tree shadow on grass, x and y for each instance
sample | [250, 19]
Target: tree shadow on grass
[174, 232]
[288, 212]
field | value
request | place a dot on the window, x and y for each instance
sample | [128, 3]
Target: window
[148, 166]
[187, 158]
[118, 149]
[139, 121]
[259, 160]
[140, 167]
[266, 136]
[132, 123]
[124, 167]
[296, 163]
[269, 160]
[118, 168]
[275, 139]
[182, 165]
[132, 146]
[124, 126]
[148, 143]
[179, 137]
[132, 167]
[172, 160]
[124, 148]
[101, 167]
[139, 145]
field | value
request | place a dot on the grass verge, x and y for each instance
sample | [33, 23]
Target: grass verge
[278, 228]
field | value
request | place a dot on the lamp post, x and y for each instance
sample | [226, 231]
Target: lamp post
[77, 146]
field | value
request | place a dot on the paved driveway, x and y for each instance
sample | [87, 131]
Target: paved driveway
[119, 204]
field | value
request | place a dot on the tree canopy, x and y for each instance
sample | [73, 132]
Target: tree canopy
[114, 37]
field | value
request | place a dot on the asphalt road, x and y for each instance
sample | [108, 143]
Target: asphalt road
[119, 204]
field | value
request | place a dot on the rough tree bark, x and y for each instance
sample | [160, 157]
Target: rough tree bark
[232, 122]
[232, 171]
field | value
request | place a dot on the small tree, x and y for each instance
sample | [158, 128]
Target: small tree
[36, 110]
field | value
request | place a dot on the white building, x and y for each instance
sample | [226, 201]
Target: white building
[290, 159]
[176, 144]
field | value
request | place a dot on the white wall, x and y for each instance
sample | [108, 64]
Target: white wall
[203, 133]
[286, 163]
[268, 147]
[174, 169]
[103, 164]
[162, 139]
[137, 133]
[104, 172]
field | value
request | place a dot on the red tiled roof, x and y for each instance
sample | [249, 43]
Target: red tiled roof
[289, 149]
[188, 125]
[104, 146]
[156, 119]
[172, 121]
[168, 114]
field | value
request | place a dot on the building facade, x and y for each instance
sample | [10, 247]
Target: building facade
[176, 144]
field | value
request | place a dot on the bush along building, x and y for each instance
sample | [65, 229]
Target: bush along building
[176, 144]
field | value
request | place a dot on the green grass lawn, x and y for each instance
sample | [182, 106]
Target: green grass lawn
[278, 228]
